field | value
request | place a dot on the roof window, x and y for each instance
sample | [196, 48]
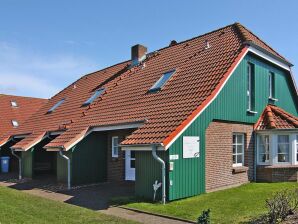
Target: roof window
[56, 106]
[13, 103]
[162, 81]
[95, 95]
[15, 123]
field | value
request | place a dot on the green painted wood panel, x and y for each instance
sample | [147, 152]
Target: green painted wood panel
[147, 171]
[27, 164]
[89, 159]
[188, 176]
[62, 167]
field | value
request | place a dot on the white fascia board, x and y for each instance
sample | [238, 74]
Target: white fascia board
[141, 148]
[250, 49]
[267, 57]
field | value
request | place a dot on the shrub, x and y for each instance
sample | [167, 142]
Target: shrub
[204, 218]
[281, 205]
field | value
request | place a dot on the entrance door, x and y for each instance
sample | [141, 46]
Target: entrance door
[130, 170]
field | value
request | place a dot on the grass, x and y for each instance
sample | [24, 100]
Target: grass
[236, 205]
[20, 207]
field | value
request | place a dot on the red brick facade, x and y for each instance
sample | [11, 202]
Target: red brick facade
[116, 166]
[277, 173]
[220, 172]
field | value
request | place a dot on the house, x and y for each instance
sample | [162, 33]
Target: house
[14, 110]
[211, 112]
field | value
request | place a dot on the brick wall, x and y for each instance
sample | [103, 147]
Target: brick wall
[116, 166]
[219, 150]
[276, 174]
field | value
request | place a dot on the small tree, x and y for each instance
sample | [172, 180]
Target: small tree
[204, 218]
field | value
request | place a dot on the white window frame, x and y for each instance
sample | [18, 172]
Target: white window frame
[271, 86]
[289, 144]
[249, 87]
[236, 153]
[258, 151]
[114, 154]
[273, 141]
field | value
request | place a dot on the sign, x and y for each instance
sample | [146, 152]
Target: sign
[174, 157]
[191, 147]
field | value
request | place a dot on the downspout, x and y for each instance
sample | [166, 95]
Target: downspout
[68, 168]
[20, 162]
[163, 174]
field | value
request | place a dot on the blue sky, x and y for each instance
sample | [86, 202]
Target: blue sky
[46, 45]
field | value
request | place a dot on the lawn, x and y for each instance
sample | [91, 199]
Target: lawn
[234, 205]
[20, 207]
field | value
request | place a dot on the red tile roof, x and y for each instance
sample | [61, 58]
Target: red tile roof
[200, 73]
[274, 117]
[26, 106]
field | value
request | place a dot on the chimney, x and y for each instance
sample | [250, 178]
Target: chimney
[138, 52]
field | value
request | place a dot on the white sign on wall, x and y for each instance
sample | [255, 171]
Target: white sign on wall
[191, 146]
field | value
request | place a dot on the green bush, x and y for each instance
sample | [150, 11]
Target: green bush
[204, 218]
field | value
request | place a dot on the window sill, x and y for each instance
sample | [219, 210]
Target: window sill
[239, 169]
[251, 112]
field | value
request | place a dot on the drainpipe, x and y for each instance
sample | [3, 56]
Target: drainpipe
[68, 168]
[163, 165]
[20, 162]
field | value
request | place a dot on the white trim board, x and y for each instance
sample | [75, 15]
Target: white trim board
[250, 49]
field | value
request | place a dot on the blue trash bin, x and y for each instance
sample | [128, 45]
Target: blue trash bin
[4, 164]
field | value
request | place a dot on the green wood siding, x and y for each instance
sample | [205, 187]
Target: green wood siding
[89, 159]
[27, 162]
[62, 167]
[188, 176]
[148, 170]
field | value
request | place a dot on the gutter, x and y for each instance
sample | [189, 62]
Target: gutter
[163, 172]
[68, 168]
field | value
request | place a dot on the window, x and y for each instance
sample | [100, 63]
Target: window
[297, 148]
[271, 85]
[56, 106]
[283, 148]
[15, 123]
[115, 146]
[94, 96]
[250, 87]
[162, 81]
[238, 149]
[14, 104]
[264, 149]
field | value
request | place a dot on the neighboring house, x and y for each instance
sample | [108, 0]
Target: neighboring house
[208, 113]
[14, 110]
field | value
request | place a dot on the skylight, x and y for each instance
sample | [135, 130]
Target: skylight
[56, 106]
[14, 104]
[15, 123]
[95, 95]
[162, 81]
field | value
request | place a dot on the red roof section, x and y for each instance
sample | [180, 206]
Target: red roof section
[199, 74]
[26, 106]
[274, 117]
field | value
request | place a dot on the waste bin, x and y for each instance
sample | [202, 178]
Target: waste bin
[4, 164]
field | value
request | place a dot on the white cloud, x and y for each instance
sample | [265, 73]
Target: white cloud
[25, 72]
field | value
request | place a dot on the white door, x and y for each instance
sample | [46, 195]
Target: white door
[130, 170]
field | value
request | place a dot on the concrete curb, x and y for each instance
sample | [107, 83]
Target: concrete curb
[159, 215]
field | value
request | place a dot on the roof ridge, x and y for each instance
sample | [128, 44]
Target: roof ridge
[27, 97]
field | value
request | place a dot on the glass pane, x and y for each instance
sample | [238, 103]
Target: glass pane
[239, 158]
[115, 150]
[261, 149]
[115, 142]
[262, 158]
[239, 149]
[163, 79]
[234, 149]
[283, 158]
[239, 139]
[283, 139]
[132, 154]
[283, 148]
[234, 139]
[234, 159]
[132, 164]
